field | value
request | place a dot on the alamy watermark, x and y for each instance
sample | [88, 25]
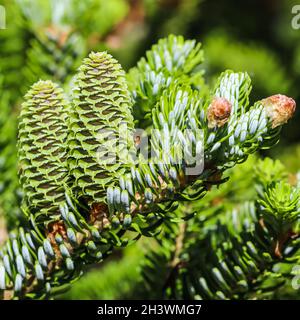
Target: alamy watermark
[2, 17]
[296, 17]
[167, 146]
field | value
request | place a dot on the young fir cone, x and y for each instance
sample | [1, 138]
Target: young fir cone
[279, 109]
[42, 148]
[218, 112]
[101, 126]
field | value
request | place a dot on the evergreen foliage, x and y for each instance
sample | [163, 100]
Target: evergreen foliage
[171, 60]
[58, 52]
[191, 262]
[48, 39]
[59, 171]
[9, 188]
[234, 249]
[116, 278]
[12, 59]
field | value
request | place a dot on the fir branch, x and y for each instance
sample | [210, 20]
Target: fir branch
[234, 255]
[90, 207]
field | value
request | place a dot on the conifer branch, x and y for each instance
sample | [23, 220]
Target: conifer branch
[79, 207]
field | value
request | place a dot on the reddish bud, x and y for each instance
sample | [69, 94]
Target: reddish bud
[218, 112]
[279, 108]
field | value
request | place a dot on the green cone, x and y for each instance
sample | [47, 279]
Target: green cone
[100, 124]
[42, 148]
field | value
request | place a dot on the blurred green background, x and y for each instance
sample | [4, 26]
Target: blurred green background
[47, 39]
